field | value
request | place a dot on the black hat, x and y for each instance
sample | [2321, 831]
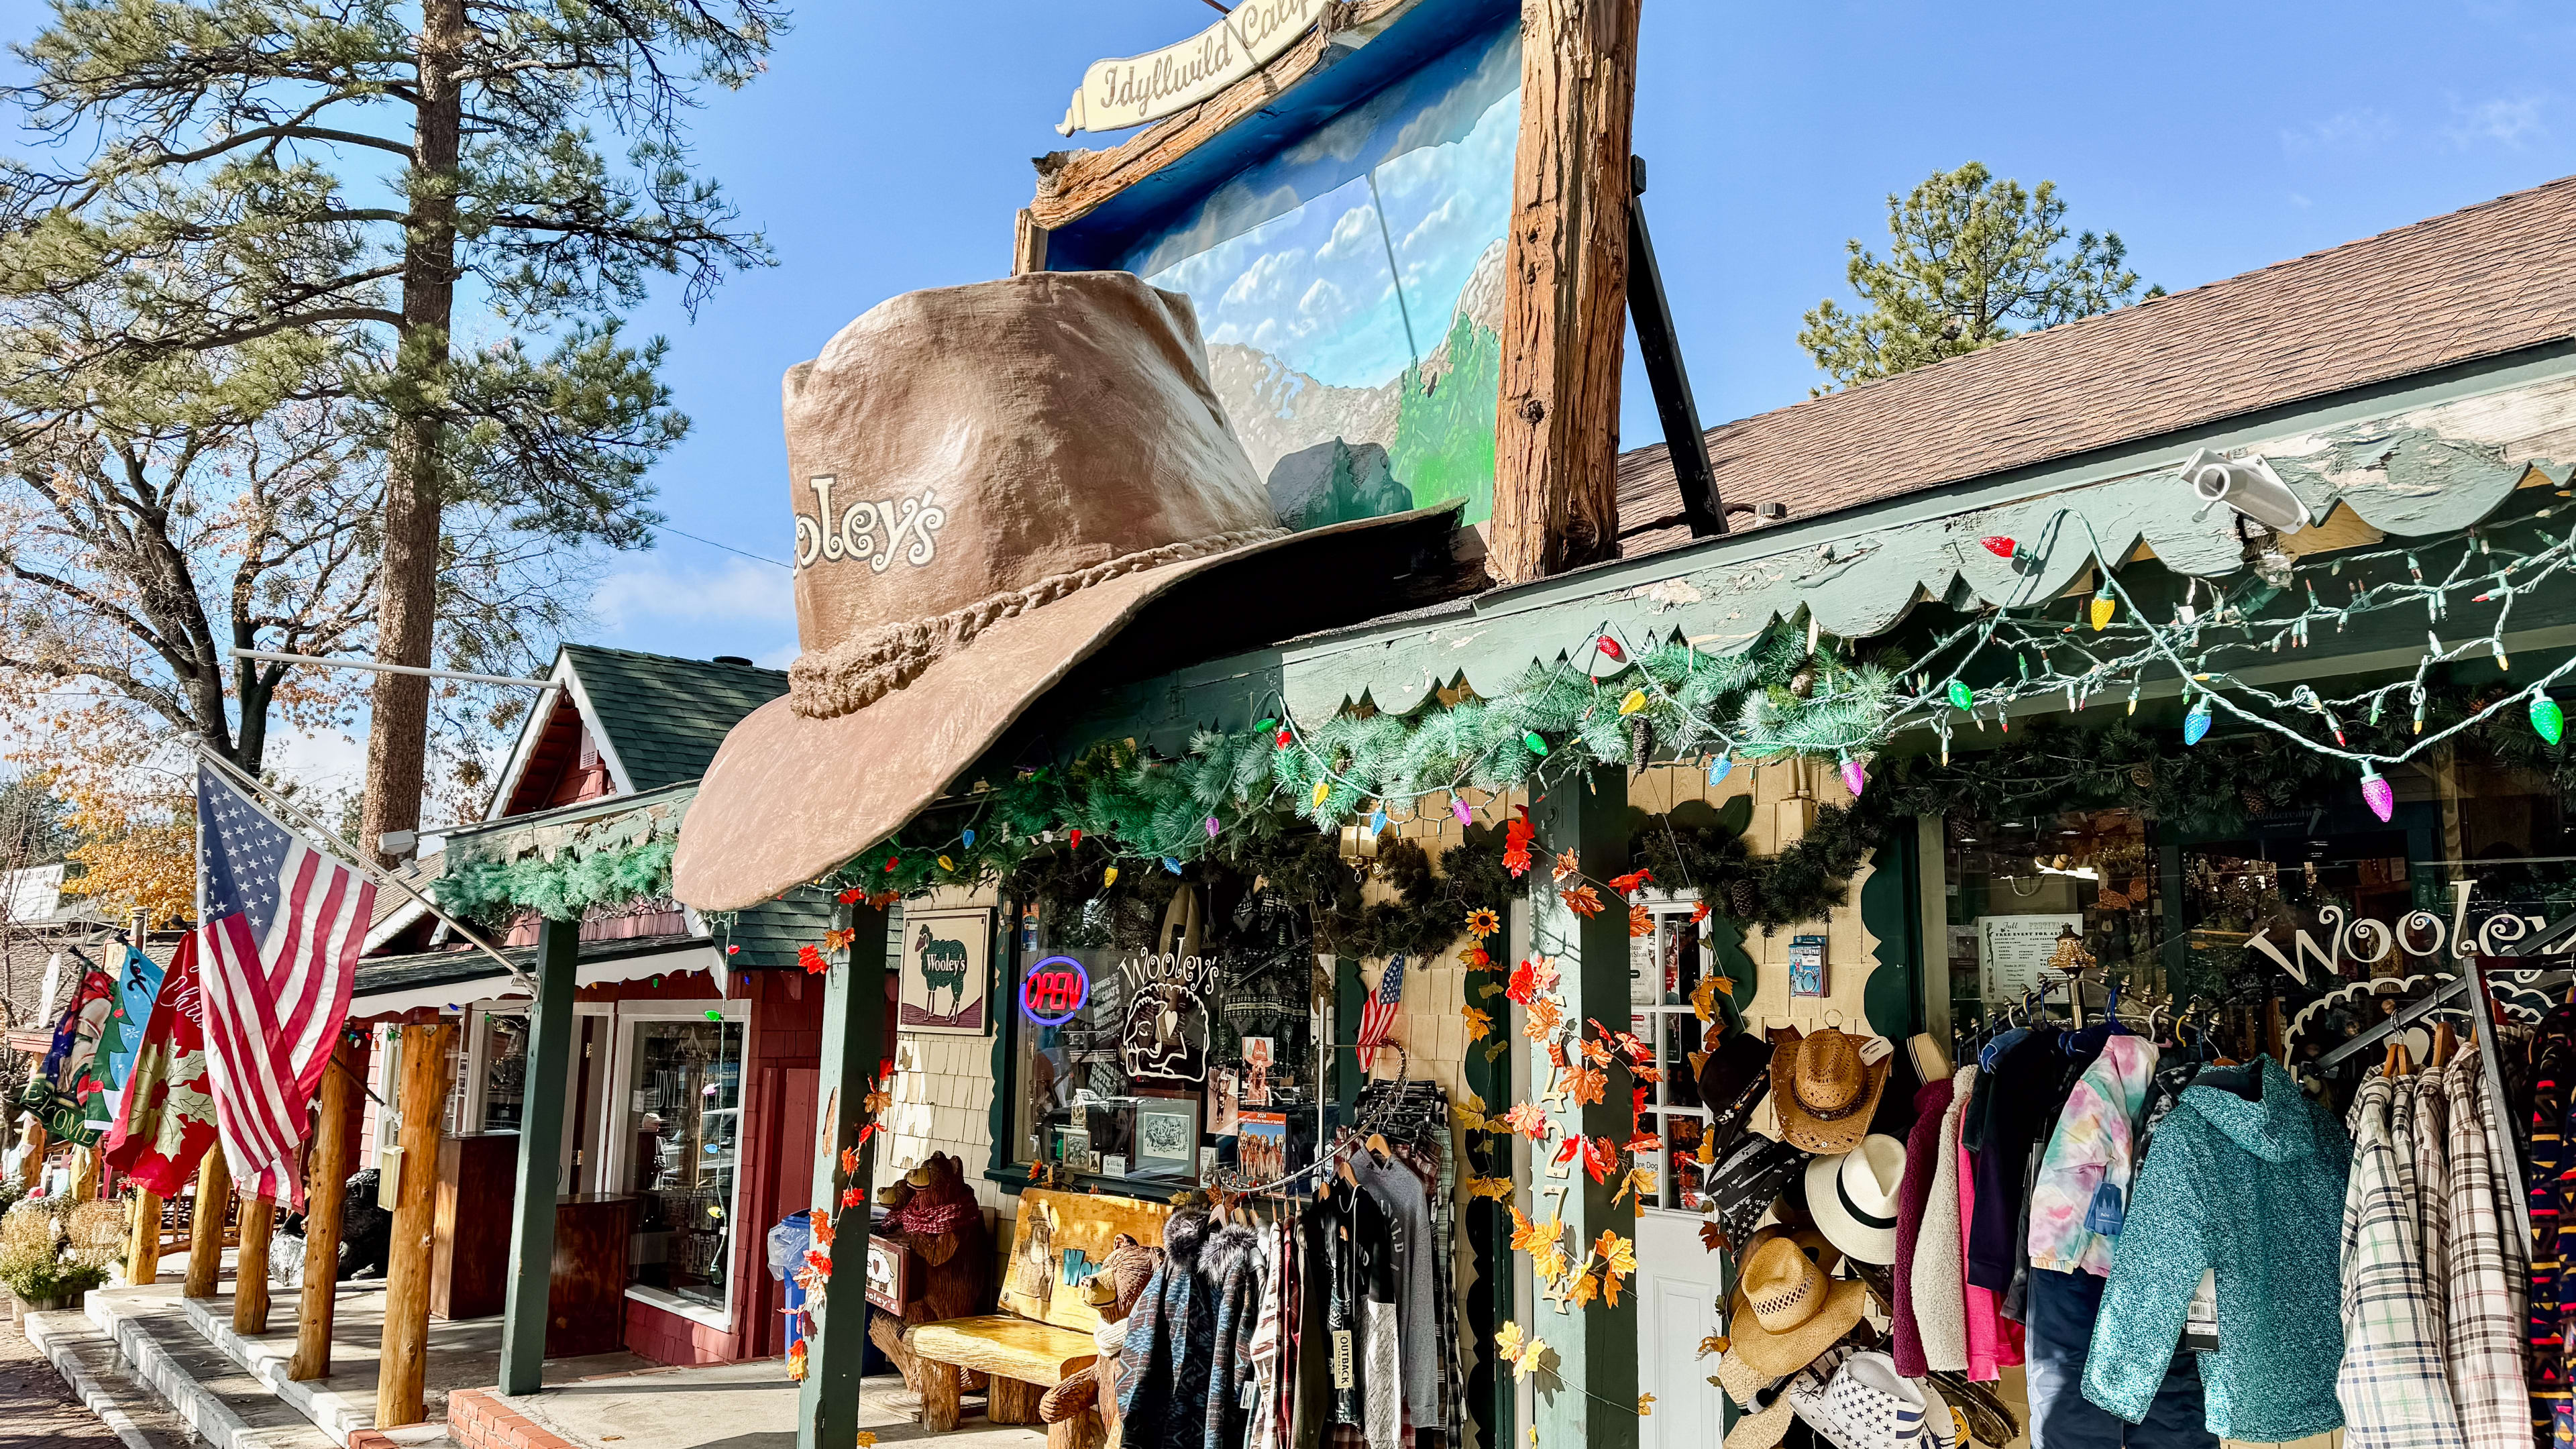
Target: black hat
[1732, 1082]
[1747, 1181]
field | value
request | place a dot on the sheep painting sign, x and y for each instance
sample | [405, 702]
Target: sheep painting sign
[947, 958]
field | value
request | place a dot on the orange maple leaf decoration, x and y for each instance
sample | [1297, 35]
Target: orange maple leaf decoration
[1641, 922]
[839, 938]
[1593, 1051]
[1529, 1120]
[812, 960]
[1517, 838]
[1480, 1024]
[1699, 913]
[823, 1231]
[1586, 1083]
[1567, 864]
[1599, 1158]
[1545, 1016]
[1583, 900]
[1618, 1260]
[1632, 882]
[1476, 958]
[1522, 989]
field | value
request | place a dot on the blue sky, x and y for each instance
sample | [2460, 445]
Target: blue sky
[887, 148]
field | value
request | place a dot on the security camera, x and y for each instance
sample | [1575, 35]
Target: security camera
[2247, 485]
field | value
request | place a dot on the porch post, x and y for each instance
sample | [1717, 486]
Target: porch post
[31, 1165]
[404, 1359]
[326, 1176]
[84, 1174]
[827, 1403]
[250, 1265]
[532, 1233]
[143, 1250]
[206, 1230]
[1590, 1399]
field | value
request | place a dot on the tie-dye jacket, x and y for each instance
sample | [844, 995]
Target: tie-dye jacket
[2092, 1147]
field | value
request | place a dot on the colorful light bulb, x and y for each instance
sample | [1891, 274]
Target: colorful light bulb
[968, 835]
[2378, 795]
[1635, 701]
[2547, 718]
[1211, 827]
[1377, 820]
[1961, 696]
[2102, 608]
[1718, 767]
[1855, 779]
[1171, 865]
[1459, 808]
[1999, 545]
[1536, 745]
[1609, 647]
[1109, 877]
[2196, 724]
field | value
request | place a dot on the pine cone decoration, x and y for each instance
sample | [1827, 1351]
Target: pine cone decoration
[1739, 898]
[1803, 683]
[2143, 776]
[2256, 802]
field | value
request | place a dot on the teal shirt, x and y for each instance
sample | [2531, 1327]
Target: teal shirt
[2253, 1190]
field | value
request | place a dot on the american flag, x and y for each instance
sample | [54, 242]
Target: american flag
[1377, 1014]
[279, 927]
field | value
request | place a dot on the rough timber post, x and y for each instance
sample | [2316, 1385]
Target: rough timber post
[1590, 1397]
[143, 1249]
[326, 1173]
[405, 1353]
[532, 1232]
[827, 1403]
[250, 1265]
[1565, 282]
[206, 1229]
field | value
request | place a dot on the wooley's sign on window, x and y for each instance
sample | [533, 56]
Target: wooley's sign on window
[1141, 88]
[2368, 941]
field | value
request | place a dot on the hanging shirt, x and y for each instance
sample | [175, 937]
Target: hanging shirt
[2082, 1193]
[2391, 1384]
[2483, 1342]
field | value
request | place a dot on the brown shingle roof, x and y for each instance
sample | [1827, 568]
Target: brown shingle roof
[2478, 282]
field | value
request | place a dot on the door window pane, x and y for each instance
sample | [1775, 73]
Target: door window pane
[683, 1117]
[505, 1071]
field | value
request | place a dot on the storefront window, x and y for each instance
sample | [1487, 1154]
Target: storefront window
[1664, 968]
[1132, 1060]
[503, 1064]
[683, 1123]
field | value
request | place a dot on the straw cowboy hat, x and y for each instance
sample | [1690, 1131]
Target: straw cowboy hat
[1825, 1085]
[1797, 1312]
[989, 484]
[1765, 1397]
[1853, 1198]
[1814, 1244]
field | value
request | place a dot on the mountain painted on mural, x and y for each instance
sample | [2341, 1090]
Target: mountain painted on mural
[1424, 437]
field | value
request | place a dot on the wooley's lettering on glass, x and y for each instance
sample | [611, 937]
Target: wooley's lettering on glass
[855, 535]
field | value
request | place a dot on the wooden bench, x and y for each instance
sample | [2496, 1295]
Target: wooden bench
[1042, 1336]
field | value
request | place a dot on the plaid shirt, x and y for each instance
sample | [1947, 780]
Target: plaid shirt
[2484, 1341]
[2553, 1071]
[2431, 1193]
[2391, 1382]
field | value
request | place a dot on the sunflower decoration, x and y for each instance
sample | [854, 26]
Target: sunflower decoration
[1482, 922]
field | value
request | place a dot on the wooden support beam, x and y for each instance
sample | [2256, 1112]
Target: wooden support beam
[206, 1228]
[143, 1249]
[1565, 282]
[1595, 1384]
[250, 1265]
[854, 1042]
[532, 1228]
[84, 1174]
[1659, 346]
[1028, 245]
[326, 1173]
[405, 1356]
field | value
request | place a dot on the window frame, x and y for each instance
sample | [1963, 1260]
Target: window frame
[619, 1149]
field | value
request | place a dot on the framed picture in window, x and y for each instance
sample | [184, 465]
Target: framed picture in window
[946, 966]
[1167, 1135]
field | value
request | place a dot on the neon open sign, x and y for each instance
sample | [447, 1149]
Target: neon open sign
[1055, 991]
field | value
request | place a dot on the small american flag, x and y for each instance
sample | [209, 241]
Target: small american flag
[279, 927]
[1377, 1014]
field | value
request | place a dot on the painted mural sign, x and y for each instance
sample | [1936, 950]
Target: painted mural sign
[1350, 288]
[1140, 88]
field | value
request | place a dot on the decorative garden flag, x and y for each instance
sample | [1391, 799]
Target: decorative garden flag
[166, 1119]
[68, 1092]
[279, 925]
[138, 983]
[1377, 1014]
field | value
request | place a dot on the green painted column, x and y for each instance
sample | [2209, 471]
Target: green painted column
[1491, 1398]
[532, 1230]
[1590, 1397]
[854, 1036]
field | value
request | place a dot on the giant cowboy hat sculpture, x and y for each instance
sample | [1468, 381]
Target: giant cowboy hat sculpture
[990, 483]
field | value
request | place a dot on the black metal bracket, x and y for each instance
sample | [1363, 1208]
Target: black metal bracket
[1662, 349]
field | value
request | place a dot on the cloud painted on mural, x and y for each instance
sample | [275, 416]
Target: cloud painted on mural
[1349, 290]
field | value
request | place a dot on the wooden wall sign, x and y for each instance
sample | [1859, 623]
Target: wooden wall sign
[947, 962]
[1119, 93]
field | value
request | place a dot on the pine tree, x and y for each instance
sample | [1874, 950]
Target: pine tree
[355, 170]
[1971, 261]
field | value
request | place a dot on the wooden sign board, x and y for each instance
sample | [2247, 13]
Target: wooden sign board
[1129, 92]
[890, 1275]
[1059, 1241]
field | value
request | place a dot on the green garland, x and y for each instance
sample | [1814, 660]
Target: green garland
[567, 887]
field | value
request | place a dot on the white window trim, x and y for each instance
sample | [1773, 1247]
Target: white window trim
[620, 1146]
[1665, 905]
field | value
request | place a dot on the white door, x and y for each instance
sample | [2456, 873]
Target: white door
[1678, 1286]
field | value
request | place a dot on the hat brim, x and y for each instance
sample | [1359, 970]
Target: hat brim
[790, 798]
[1783, 1354]
[1875, 1246]
[1798, 1127]
[1819, 1249]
